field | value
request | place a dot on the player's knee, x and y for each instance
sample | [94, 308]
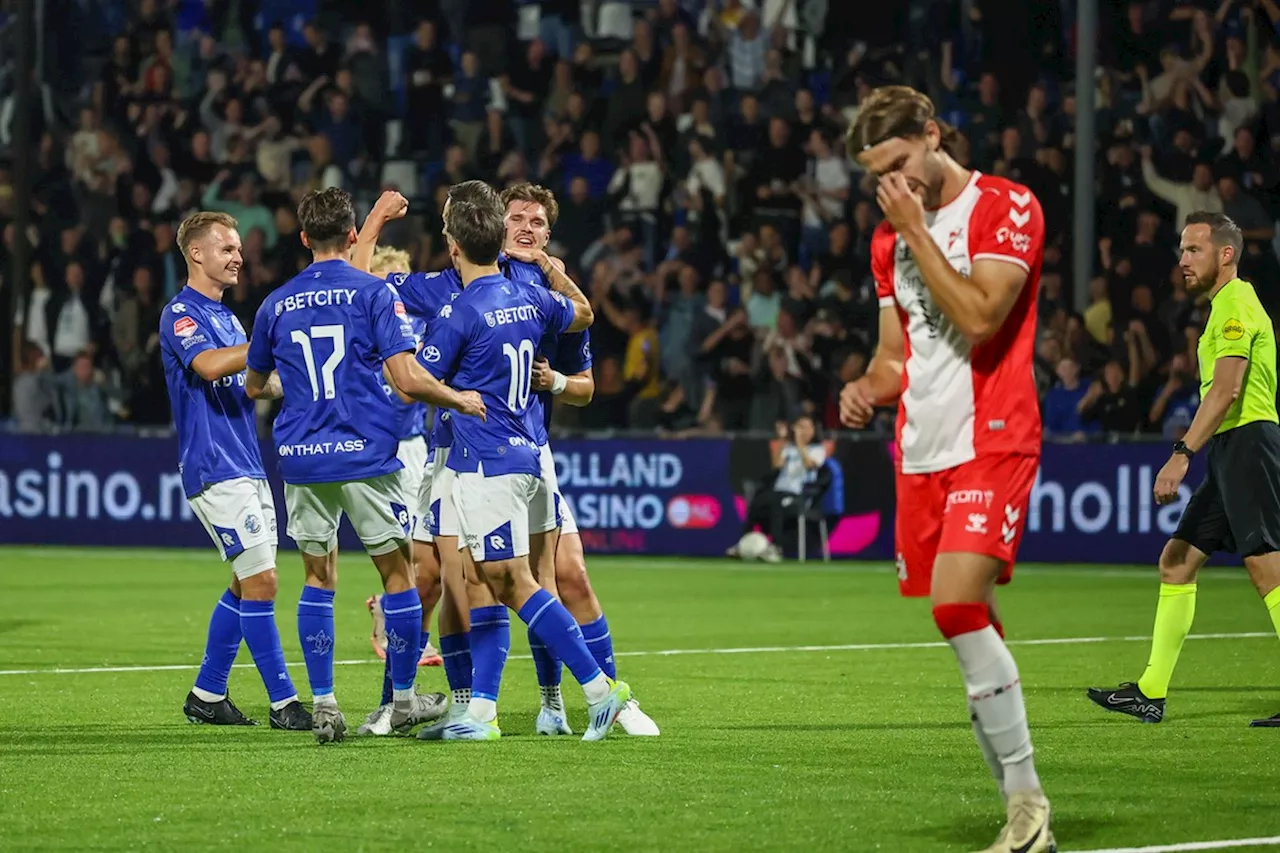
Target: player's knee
[962, 618]
[254, 562]
[571, 577]
[1179, 562]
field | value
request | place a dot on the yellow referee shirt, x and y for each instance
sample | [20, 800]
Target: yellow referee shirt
[1239, 326]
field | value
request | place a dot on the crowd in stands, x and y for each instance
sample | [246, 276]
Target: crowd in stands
[706, 201]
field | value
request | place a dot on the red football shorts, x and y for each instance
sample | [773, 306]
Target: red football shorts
[979, 507]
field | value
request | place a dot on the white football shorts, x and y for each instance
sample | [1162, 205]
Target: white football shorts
[493, 513]
[442, 511]
[240, 517]
[412, 454]
[376, 507]
[545, 510]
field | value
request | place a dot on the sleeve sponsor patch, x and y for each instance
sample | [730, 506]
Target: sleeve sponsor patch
[400, 310]
[184, 327]
[1232, 330]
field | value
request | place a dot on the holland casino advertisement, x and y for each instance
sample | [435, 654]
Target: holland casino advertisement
[1091, 504]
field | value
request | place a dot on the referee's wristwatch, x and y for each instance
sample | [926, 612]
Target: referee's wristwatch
[1181, 447]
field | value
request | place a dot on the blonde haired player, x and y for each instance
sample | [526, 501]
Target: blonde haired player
[957, 266]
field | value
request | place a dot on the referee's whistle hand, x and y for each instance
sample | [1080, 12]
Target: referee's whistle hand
[1170, 478]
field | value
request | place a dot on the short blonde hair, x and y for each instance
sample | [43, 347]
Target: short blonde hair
[389, 259]
[199, 224]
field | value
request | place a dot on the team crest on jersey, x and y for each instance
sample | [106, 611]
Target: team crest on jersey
[903, 252]
[184, 327]
[178, 308]
[489, 318]
[431, 355]
[252, 524]
[279, 308]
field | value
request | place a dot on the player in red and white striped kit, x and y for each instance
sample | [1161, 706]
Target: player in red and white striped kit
[957, 268]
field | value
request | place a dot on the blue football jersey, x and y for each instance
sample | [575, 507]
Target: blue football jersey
[424, 294]
[486, 341]
[217, 436]
[327, 332]
[569, 353]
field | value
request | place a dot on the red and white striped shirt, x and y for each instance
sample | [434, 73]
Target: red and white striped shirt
[961, 401]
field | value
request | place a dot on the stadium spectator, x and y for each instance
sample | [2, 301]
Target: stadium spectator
[691, 152]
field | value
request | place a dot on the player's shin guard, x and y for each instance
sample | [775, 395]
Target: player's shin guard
[548, 667]
[551, 623]
[490, 644]
[220, 649]
[455, 649]
[403, 612]
[258, 622]
[315, 633]
[995, 692]
[600, 644]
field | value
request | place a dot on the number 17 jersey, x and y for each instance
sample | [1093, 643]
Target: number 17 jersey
[327, 333]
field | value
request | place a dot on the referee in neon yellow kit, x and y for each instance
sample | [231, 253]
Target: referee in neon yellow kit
[1237, 507]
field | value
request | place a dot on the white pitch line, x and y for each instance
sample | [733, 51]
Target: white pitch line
[850, 647]
[1273, 841]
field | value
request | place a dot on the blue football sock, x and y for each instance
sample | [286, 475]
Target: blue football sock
[553, 625]
[490, 643]
[221, 646]
[456, 651]
[601, 645]
[403, 612]
[545, 662]
[258, 621]
[315, 632]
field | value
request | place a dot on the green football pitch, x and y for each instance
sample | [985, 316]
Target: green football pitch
[803, 708]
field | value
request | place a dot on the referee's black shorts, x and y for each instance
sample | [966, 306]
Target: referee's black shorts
[1237, 507]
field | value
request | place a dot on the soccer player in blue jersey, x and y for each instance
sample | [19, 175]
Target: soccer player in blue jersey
[563, 371]
[327, 333]
[203, 349]
[488, 341]
[435, 537]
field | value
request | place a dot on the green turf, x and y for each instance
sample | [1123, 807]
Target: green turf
[787, 750]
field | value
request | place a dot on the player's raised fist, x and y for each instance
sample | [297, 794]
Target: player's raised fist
[469, 403]
[390, 205]
[857, 405]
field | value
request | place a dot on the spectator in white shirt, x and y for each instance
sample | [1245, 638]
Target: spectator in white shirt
[797, 456]
[825, 191]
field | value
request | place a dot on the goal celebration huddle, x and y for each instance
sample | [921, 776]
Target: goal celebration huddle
[463, 516]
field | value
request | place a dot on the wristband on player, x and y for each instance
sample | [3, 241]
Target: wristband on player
[558, 382]
[1181, 447]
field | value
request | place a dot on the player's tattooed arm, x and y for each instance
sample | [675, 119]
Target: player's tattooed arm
[553, 269]
[274, 389]
[212, 365]
[390, 205]
[576, 389]
[255, 384]
[412, 380]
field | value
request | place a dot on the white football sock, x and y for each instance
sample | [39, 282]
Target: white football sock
[484, 710]
[988, 751]
[284, 703]
[596, 689]
[995, 694]
[206, 696]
